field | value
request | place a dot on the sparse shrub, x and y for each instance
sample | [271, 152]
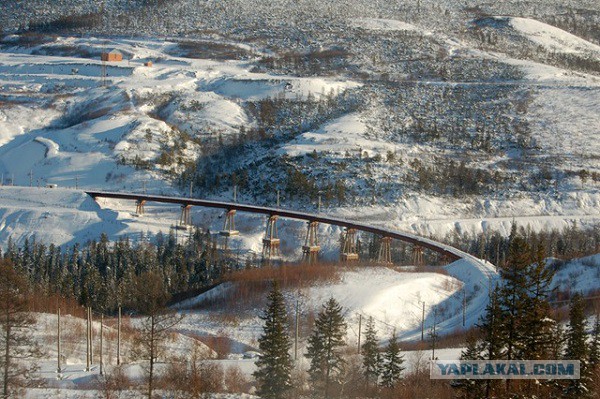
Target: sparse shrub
[235, 380]
[115, 384]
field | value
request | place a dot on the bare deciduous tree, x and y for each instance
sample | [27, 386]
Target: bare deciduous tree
[150, 298]
[16, 340]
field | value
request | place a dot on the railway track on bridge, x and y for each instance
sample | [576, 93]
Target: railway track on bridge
[447, 251]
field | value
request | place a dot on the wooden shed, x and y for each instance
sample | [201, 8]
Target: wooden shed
[113, 56]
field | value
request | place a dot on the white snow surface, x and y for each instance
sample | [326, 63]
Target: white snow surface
[62, 125]
[553, 38]
[394, 298]
[579, 275]
[382, 24]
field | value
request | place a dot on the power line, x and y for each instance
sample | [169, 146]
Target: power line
[569, 300]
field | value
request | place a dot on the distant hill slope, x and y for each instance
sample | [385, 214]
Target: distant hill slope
[541, 34]
[405, 119]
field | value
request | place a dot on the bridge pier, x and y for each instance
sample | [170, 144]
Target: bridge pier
[185, 219]
[271, 240]
[384, 256]
[229, 225]
[139, 207]
[311, 247]
[418, 256]
[349, 251]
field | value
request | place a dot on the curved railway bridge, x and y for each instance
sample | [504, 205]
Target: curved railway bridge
[311, 245]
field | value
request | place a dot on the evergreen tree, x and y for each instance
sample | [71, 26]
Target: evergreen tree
[490, 327]
[326, 361]
[514, 299]
[492, 342]
[371, 358]
[594, 350]
[558, 342]
[392, 363]
[538, 336]
[471, 389]
[577, 349]
[274, 366]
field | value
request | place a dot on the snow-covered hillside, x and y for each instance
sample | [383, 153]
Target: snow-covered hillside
[60, 125]
[394, 298]
[433, 136]
[547, 36]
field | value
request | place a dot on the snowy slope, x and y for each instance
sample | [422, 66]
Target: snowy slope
[97, 135]
[578, 275]
[553, 38]
[393, 298]
[60, 126]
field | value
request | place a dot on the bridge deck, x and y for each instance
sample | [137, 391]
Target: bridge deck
[450, 252]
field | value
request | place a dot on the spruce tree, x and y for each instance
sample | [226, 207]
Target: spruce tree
[392, 363]
[538, 336]
[514, 298]
[324, 344]
[371, 358]
[471, 389]
[577, 349]
[274, 366]
[492, 339]
[490, 327]
[594, 350]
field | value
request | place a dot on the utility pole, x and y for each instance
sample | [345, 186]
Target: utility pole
[119, 338]
[191, 188]
[278, 203]
[87, 340]
[423, 323]
[104, 54]
[464, 307]
[319, 205]
[101, 343]
[359, 330]
[91, 336]
[58, 368]
[296, 332]
[434, 334]
[235, 193]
